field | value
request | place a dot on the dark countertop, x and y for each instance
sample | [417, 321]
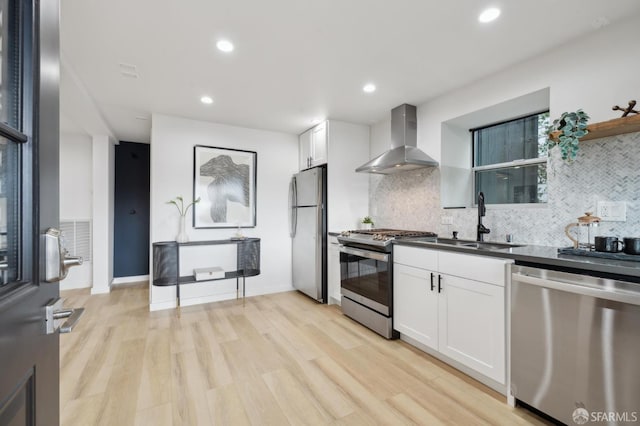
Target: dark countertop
[543, 256]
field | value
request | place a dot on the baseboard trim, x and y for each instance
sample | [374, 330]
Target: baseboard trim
[192, 301]
[129, 280]
[101, 290]
[496, 386]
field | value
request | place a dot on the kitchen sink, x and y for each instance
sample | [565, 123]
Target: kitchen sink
[483, 245]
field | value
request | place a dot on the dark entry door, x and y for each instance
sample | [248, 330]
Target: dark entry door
[29, 68]
[131, 210]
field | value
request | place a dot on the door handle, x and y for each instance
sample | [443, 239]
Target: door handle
[55, 314]
[57, 258]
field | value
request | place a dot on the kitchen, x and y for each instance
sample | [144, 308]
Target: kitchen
[289, 375]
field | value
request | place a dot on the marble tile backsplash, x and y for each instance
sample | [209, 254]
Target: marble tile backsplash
[606, 169]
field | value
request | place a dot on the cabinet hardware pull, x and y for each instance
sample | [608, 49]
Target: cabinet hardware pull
[439, 283]
[432, 285]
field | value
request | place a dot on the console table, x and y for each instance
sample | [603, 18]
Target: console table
[166, 262]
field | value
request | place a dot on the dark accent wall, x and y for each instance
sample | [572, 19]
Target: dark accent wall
[131, 210]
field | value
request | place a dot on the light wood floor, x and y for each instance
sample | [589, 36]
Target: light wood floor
[279, 359]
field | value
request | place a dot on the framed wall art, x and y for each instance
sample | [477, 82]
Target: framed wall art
[225, 181]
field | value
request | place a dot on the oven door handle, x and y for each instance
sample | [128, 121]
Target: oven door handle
[365, 253]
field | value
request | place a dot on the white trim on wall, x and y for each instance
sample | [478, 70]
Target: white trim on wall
[129, 280]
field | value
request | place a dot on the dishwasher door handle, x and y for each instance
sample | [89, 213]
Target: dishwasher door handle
[615, 296]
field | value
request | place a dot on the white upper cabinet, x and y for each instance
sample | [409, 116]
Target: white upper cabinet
[314, 146]
[304, 149]
[319, 144]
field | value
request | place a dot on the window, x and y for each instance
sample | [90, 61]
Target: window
[510, 160]
[16, 109]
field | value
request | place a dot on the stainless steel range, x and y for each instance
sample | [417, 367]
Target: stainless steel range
[366, 276]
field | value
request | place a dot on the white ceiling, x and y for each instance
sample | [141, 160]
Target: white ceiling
[296, 60]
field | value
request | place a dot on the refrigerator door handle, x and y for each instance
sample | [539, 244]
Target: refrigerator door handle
[293, 212]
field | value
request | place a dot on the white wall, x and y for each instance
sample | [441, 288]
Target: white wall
[592, 73]
[75, 195]
[588, 73]
[172, 142]
[75, 176]
[347, 191]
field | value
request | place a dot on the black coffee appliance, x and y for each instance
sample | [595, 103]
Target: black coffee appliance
[632, 245]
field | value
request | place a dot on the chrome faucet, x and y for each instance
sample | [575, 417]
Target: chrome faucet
[481, 212]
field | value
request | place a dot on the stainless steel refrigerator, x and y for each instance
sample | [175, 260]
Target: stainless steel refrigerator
[308, 230]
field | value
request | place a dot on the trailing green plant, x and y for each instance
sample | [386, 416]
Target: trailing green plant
[572, 126]
[179, 203]
[367, 219]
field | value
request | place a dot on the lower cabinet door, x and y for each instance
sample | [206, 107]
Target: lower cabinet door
[472, 325]
[333, 271]
[415, 305]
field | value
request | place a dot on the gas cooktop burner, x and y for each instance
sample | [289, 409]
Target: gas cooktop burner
[380, 237]
[390, 233]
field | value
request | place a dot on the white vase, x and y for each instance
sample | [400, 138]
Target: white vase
[182, 235]
[366, 226]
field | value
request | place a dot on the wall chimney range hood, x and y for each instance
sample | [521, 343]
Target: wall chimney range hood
[404, 154]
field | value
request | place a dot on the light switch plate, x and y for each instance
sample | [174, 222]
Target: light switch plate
[612, 211]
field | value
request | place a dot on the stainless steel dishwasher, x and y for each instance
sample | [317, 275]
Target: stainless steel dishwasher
[575, 346]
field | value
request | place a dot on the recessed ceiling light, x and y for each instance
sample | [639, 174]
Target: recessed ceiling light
[207, 100]
[489, 15]
[225, 46]
[369, 88]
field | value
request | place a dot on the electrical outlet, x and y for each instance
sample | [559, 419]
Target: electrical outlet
[447, 220]
[612, 211]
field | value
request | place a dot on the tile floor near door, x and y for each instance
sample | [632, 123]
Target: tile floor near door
[278, 359]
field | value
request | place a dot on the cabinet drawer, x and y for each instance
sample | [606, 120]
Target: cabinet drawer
[478, 268]
[416, 257]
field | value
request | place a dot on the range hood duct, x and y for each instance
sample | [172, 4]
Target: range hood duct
[404, 154]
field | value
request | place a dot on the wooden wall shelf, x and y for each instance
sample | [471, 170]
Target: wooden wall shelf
[617, 126]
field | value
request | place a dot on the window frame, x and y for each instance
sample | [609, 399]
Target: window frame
[504, 165]
[22, 135]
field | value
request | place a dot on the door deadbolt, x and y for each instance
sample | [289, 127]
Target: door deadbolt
[57, 258]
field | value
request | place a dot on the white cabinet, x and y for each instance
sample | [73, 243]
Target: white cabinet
[319, 144]
[455, 304]
[304, 149]
[471, 325]
[333, 271]
[313, 148]
[415, 304]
